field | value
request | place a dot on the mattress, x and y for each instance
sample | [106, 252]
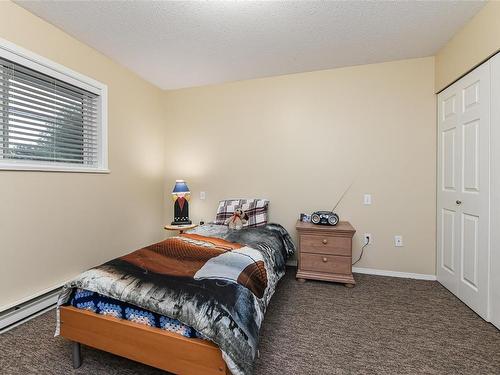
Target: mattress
[99, 304]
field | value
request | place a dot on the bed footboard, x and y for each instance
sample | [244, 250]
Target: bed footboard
[161, 349]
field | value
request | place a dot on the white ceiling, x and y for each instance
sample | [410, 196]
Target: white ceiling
[184, 44]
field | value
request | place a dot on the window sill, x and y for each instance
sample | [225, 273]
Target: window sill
[59, 168]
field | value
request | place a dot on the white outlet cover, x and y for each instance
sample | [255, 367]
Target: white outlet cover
[398, 241]
[368, 235]
[367, 199]
[203, 195]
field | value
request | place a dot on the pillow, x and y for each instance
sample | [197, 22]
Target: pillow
[256, 209]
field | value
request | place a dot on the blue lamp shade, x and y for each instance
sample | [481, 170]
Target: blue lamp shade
[180, 187]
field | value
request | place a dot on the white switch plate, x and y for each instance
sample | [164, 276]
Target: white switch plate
[367, 199]
[398, 241]
[203, 195]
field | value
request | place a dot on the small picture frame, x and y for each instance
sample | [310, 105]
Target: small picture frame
[305, 218]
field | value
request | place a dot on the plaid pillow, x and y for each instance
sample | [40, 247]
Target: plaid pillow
[256, 209]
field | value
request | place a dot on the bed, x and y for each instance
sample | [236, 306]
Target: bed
[192, 304]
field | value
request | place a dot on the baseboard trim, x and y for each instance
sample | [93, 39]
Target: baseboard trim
[33, 296]
[27, 310]
[377, 272]
[405, 275]
[28, 318]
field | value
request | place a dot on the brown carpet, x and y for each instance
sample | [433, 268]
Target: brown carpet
[382, 326]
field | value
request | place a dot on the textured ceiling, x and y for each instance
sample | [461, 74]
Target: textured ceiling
[185, 44]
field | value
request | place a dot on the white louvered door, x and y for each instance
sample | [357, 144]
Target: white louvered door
[463, 196]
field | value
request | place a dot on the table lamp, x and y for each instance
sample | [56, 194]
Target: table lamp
[180, 196]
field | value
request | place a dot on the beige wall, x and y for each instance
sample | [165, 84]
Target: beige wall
[55, 225]
[479, 39]
[373, 124]
[301, 139]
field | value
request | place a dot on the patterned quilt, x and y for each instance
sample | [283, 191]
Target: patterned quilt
[215, 280]
[99, 304]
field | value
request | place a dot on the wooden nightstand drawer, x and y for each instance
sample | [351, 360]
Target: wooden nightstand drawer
[324, 244]
[325, 263]
[325, 252]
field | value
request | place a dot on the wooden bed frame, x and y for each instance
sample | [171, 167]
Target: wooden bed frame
[152, 346]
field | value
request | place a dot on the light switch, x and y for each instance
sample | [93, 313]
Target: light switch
[203, 196]
[367, 199]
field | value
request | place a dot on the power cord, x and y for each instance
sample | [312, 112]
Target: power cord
[362, 251]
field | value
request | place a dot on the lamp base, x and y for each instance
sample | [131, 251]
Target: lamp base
[185, 222]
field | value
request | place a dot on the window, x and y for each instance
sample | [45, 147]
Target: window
[50, 117]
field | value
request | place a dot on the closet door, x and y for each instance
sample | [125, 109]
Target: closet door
[463, 188]
[495, 193]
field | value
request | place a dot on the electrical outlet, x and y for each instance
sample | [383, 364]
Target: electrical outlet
[367, 199]
[368, 239]
[398, 241]
[203, 195]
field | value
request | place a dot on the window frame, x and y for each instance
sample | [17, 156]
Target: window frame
[48, 67]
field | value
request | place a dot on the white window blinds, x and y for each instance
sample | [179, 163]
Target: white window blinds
[49, 120]
[44, 119]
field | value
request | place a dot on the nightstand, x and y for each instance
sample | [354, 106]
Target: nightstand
[180, 228]
[325, 252]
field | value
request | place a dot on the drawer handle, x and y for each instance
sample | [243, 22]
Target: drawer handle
[325, 241]
[325, 259]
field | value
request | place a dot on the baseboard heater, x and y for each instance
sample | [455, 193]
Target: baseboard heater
[25, 311]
